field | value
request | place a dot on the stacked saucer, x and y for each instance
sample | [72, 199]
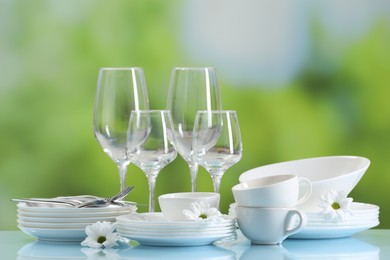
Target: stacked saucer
[64, 223]
[363, 216]
[154, 229]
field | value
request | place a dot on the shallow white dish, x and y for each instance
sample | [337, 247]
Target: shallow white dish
[158, 232]
[169, 229]
[357, 208]
[59, 235]
[65, 220]
[176, 240]
[339, 173]
[72, 215]
[322, 232]
[54, 225]
[158, 219]
[111, 208]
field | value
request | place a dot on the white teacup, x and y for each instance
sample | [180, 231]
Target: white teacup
[279, 191]
[173, 204]
[269, 226]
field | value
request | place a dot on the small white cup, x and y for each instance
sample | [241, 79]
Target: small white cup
[279, 191]
[269, 226]
[173, 204]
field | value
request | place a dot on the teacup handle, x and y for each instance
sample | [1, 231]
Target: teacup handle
[287, 222]
[305, 194]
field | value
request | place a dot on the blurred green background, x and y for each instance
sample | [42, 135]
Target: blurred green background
[307, 79]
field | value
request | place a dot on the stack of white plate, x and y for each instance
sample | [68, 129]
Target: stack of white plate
[154, 229]
[64, 223]
[364, 216]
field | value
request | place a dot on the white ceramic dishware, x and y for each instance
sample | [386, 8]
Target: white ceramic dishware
[339, 173]
[155, 229]
[173, 204]
[269, 226]
[280, 191]
[64, 223]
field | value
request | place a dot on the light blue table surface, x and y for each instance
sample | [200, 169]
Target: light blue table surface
[371, 244]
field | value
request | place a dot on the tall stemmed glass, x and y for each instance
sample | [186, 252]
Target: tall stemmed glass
[217, 142]
[150, 144]
[190, 90]
[119, 91]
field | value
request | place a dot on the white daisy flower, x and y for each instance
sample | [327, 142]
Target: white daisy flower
[335, 205]
[100, 235]
[202, 212]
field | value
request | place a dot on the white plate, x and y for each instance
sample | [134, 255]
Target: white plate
[72, 215]
[59, 235]
[54, 225]
[357, 209]
[165, 229]
[176, 240]
[322, 232]
[23, 207]
[158, 219]
[175, 233]
[342, 223]
[65, 220]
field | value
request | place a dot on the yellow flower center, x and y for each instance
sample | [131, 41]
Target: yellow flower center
[203, 216]
[101, 239]
[336, 205]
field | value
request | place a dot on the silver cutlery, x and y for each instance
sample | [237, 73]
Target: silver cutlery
[83, 200]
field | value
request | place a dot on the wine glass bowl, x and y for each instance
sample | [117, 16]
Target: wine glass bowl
[119, 90]
[150, 144]
[217, 142]
[191, 90]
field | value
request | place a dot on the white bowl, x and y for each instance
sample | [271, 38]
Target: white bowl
[339, 173]
[173, 204]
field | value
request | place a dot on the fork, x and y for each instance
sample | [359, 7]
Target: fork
[96, 202]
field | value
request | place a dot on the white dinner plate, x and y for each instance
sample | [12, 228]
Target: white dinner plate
[59, 235]
[158, 219]
[72, 215]
[356, 222]
[25, 208]
[157, 232]
[65, 220]
[322, 232]
[176, 240]
[357, 209]
[53, 225]
[164, 229]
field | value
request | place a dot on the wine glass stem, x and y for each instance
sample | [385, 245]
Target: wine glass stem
[152, 183]
[217, 181]
[122, 168]
[194, 174]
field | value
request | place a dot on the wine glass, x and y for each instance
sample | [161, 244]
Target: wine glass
[190, 90]
[217, 142]
[119, 90]
[150, 144]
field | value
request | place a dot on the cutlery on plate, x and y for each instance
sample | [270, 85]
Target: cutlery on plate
[82, 201]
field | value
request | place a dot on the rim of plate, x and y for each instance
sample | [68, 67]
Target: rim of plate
[64, 220]
[25, 207]
[72, 215]
[159, 219]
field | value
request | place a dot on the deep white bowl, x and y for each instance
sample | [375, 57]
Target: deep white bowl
[173, 204]
[339, 173]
